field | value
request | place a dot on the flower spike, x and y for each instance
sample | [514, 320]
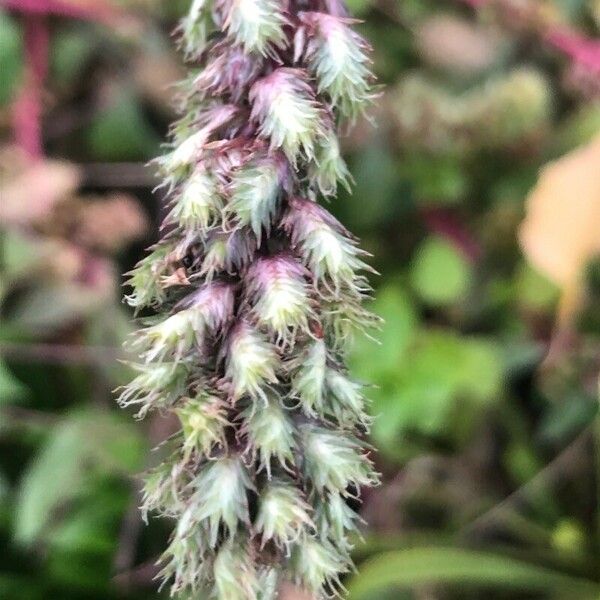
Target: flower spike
[256, 289]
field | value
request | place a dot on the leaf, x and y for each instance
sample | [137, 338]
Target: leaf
[80, 445]
[440, 274]
[121, 131]
[10, 57]
[560, 232]
[10, 387]
[452, 566]
[428, 389]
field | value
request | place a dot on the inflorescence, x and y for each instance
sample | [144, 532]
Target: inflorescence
[255, 289]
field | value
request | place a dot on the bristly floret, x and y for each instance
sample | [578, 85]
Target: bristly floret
[285, 108]
[338, 58]
[256, 289]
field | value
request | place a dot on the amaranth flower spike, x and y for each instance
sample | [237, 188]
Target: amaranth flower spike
[256, 287]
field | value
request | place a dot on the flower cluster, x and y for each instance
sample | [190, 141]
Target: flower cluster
[255, 289]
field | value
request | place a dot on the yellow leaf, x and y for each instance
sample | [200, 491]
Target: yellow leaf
[561, 231]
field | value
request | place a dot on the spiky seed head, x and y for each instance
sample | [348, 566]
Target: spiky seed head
[251, 362]
[283, 514]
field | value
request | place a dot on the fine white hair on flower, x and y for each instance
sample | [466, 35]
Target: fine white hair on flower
[251, 362]
[334, 462]
[316, 563]
[335, 519]
[256, 25]
[326, 246]
[187, 151]
[202, 313]
[278, 294]
[144, 279]
[227, 251]
[204, 423]
[195, 28]
[338, 57]
[198, 204]
[328, 169]
[235, 574]
[155, 386]
[229, 71]
[282, 513]
[269, 430]
[287, 113]
[255, 192]
[220, 496]
[309, 377]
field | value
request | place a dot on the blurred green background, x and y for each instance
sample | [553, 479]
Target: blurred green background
[477, 192]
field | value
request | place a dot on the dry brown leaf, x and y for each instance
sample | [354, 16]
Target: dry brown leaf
[561, 231]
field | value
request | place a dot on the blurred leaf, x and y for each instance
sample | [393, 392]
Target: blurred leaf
[452, 566]
[79, 445]
[70, 51]
[425, 392]
[533, 290]
[121, 132]
[10, 57]
[10, 387]
[369, 359]
[560, 233]
[440, 274]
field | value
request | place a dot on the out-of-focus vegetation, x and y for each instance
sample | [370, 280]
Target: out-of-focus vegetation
[478, 194]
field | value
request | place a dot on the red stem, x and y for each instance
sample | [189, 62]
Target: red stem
[27, 109]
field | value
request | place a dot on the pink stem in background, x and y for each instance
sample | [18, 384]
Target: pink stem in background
[582, 50]
[27, 109]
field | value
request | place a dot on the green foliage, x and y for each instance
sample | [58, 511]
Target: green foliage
[10, 57]
[464, 569]
[78, 449]
[440, 274]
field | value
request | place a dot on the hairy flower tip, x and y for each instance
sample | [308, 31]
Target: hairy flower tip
[334, 462]
[227, 251]
[251, 362]
[229, 71]
[198, 205]
[335, 520]
[155, 386]
[309, 378]
[220, 497]
[283, 514]
[285, 108]
[338, 58]
[326, 247]
[144, 280]
[204, 423]
[276, 289]
[255, 192]
[328, 169]
[163, 490]
[256, 25]
[188, 150]
[204, 312]
[317, 563]
[195, 28]
[270, 434]
[235, 573]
